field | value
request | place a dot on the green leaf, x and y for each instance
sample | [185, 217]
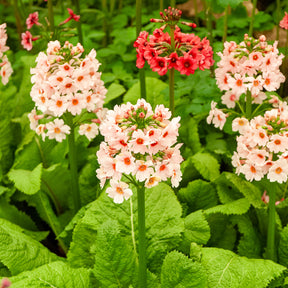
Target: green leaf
[56, 274]
[154, 95]
[207, 165]
[283, 247]
[20, 252]
[237, 207]
[178, 271]
[199, 194]
[249, 244]
[115, 261]
[232, 3]
[26, 181]
[163, 225]
[196, 230]
[189, 134]
[12, 214]
[226, 269]
[114, 91]
[250, 191]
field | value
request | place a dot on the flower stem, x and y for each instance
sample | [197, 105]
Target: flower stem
[248, 105]
[138, 30]
[278, 8]
[73, 164]
[210, 31]
[51, 15]
[252, 18]
[141, 237]
[173, 3]
[79, 24]
[196, 12]
[172, 73]
[225, 23]
[270, 251]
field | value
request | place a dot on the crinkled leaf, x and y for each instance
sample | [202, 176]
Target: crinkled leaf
[115, 261]
[154, 95]
[189, 134]
[199, 194]
[178, 271]
[196, 230]
[114, 91]
[250, 191]
[20, 252]
[232, 3]
[226, 269]
[56, 274]
[163, 224]
[27, 181]
[237, 207]
[249, 244]
[207, 165]
[283, 247]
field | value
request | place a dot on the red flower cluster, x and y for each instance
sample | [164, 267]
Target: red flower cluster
[189, 54]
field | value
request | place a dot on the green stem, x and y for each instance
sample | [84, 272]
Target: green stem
[173, 3]
[172, 73]
[241, 108]
[270, 251]
[252, 18]
[278, 7]
[141, 237]
[248, 105]
[51, 16]
[210, 32]
[104, 23]
[17, 17]
[79, 24]
[138, 30]
[196, 12]
[132, 226]
[73, 164]
[225, 23]
[161, 5]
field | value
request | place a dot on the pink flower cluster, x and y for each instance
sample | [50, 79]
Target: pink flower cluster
[65, 83]
[189, 54]
[253, 65]
[5, 283]
[5, 66]
[262, 147]
[138, 143]
[284, 22]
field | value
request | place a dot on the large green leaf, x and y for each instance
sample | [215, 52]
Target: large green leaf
[154, 87]
[20, 252]
[226, 269]
[163, 225]
[115, 259]
[238, 207]
[27, 181]
[114, 90]
[283, 247]
[196, 230]
[207, 165]
[56, 274]
[249, 244]
[199, 194]
[232, 3]
[178, 271]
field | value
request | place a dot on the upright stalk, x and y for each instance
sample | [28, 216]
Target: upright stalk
[278, 7]
[138, 30]
[161, 5]
[51, 15]
[141, 237]
[270, 251]
[210, 31]
[73, 164]
[172, 73]
[196, 12]
[248, 105]
[252, 18]
[79, 24]
[225, 23]
[173, 3]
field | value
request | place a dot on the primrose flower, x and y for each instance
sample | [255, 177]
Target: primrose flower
[188, 54]
[262, 146]
[32, 19]
[5, 66]
[138, 143]
[5, 283]
[284, 22]
[66, 83]
[72, 16]
[253, 65]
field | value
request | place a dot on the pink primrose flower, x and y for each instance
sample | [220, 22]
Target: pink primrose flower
[32, 20]
[284, 22]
